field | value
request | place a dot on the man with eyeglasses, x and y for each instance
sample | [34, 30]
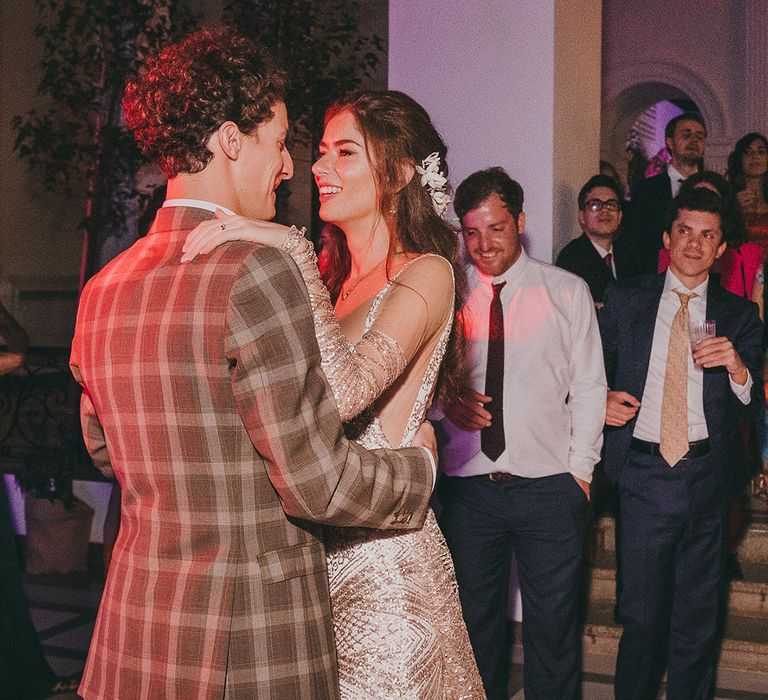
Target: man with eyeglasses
[593, 255]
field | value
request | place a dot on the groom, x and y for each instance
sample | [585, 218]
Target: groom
[203, 396]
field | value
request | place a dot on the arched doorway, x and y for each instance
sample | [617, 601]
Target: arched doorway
[635, 145]
[645, 97]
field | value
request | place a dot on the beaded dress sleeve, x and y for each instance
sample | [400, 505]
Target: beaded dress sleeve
[411, 309]
[358, 374]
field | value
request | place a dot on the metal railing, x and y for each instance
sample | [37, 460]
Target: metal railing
[40, 437]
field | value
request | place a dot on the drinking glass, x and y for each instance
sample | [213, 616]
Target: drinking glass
[700, 330]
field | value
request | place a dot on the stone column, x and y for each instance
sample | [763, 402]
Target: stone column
[756, 66]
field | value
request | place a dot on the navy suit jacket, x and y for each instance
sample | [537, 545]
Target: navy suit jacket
[581, 258]
[645, 221]
[627, 323]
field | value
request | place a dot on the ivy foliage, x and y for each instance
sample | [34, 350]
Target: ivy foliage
[75, 139]
[321, 47]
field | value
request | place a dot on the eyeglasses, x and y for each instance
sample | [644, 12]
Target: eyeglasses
[598, 204]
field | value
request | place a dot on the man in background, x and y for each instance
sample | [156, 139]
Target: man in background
[521, 444]
[685, 137]
[671, 439]
[594, 255]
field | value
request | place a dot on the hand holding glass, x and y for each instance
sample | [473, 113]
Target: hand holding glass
[701, 330]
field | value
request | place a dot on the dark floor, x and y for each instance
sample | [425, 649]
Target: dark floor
[64, 610]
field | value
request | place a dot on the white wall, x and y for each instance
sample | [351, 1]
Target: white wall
[94, 493]
[489, 75]
[484, 72]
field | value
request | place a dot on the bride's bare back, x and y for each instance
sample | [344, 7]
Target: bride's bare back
[413, 308]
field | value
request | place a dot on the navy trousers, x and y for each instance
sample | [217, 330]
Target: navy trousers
[543, 521]
[672, 558]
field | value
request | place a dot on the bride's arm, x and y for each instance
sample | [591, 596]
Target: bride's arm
[412, 310]
[358, 375]
[209, 234]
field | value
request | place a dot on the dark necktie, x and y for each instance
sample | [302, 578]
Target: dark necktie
[492, 438]
[608, 260]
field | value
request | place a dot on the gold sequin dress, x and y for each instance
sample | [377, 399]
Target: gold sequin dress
[396, 610]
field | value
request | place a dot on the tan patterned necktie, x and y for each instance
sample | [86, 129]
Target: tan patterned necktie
[674, 403]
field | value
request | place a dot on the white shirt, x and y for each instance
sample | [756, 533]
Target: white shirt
[197, 204]
[554, 379]
[648, 426]
[676, 178]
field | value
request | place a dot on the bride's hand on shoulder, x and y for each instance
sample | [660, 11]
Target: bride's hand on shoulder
[212, 233]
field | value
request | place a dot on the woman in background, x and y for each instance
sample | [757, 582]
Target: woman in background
[748, 174]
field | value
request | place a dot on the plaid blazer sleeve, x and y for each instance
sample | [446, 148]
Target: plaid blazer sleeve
[287, 407]
[93, 433]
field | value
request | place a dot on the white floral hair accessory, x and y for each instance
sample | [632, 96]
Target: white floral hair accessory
[433, 179]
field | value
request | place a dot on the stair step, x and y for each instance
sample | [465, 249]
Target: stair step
[748, 597]
[752, 549]
[744, 648]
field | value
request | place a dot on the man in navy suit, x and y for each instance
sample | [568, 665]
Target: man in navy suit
[671, 441]
[594, 256]
[685, 137]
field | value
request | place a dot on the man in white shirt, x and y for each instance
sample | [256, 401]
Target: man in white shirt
[521, 443]
[646, 217]
[671, 441]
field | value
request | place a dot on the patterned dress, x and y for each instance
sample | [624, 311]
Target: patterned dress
[396, 610]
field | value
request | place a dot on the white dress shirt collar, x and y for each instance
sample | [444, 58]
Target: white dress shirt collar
[197, 204]
[671, 283]
[676, 178]
[603, 252]
[512, 275]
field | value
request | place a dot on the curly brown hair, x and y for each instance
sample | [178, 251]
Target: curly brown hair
[188, 90]
[398, 130]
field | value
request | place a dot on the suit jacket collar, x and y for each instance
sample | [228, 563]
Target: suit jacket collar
[648, 299]
[178, 219]
[588, 244]
[661, 185]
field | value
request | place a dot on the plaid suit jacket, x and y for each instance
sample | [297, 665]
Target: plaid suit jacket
[203, 395]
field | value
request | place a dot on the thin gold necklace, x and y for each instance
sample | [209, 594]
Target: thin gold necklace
[345, 295]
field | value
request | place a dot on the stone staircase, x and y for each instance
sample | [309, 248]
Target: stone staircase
[745, 645]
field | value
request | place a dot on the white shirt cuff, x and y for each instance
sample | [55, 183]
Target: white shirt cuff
[433, 464]
[583, 471]
[743, 392]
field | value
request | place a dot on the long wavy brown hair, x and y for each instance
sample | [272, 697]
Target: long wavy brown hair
[735, 172]
[397, 130]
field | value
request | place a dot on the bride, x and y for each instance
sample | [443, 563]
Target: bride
[381, 175]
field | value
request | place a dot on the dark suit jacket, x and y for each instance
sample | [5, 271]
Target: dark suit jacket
[645, 221]
[626, 325]
[581, 258]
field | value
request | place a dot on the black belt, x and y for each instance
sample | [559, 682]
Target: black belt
[501, 476]
[699, 448]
